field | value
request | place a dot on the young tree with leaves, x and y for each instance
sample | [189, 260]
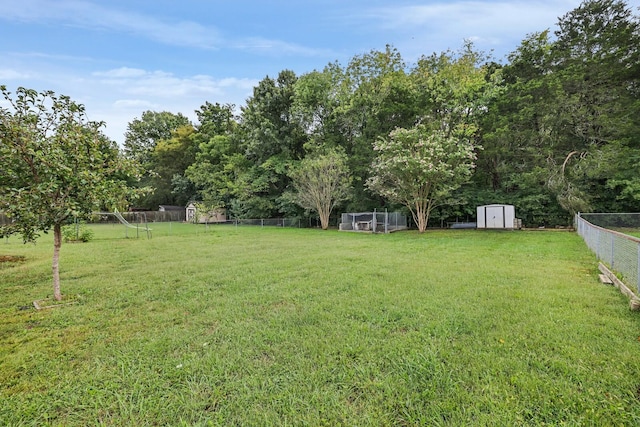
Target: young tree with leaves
[55, 166]
[419, 168]
[321, 182]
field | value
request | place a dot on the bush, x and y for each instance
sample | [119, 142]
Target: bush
[77, 233]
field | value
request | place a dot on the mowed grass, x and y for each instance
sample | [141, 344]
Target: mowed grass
[269, 326]
[629, 231]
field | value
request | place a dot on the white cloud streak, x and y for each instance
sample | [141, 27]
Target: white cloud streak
[9, 74]
[277, 47]
[117, 96]
[124, 93]
[164, 85]
[92, 16]
[487, 23]
[490, 16]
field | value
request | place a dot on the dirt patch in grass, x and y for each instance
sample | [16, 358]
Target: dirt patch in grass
[11, 258]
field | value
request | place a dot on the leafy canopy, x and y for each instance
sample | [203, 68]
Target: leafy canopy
[54, 163]
[322, 181]
[419, 168]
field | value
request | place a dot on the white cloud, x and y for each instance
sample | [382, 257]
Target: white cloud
[136, 104]
[84, 14]
[475, 15]
[246, 84]
[121, 73]
[164, 85]
[10, 74]
[425, 28]
[277, 47]
[92, 16]
[117, 96]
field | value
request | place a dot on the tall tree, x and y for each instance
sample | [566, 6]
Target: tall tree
[560, 138]
[375, 96]
[171, 158]
[419, 168]
[55, 166]
[219, 160]
[453, 91]
[272, 140]
[596, 73]
[315, 107]
[517, 134]
[143, 134]
[141, 139]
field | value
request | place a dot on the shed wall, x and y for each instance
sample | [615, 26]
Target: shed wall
[496, 216]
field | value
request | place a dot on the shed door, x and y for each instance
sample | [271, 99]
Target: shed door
[494, 216]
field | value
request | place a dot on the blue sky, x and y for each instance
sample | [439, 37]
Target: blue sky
[122, 57]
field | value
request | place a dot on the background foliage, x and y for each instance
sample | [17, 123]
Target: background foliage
[555, 126]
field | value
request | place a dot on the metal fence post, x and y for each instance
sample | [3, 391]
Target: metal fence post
[613, 245]
[638, 247]
[386, 221]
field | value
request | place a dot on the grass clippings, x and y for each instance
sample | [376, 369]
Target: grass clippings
[50, 302]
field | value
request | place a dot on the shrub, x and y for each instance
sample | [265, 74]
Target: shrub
[77, 233]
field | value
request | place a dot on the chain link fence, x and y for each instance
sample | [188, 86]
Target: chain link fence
[376, 222]
[132, 217]
[269, 222]
[608, 236]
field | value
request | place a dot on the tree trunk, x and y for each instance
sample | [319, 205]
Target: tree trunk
[57, 242]
[323, 213]
[422, 222]
[421, 217]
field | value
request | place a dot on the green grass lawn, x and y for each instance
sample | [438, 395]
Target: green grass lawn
[629, 231]
[265, 326]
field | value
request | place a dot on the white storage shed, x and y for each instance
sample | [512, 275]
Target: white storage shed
[497, 216]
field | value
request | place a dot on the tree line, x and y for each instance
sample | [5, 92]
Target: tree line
[555, 129]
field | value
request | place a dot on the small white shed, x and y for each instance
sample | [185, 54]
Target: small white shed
[214, 215]
[496, 216]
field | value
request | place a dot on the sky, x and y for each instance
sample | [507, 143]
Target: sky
[121, 57]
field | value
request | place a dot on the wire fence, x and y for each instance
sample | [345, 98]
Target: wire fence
[608, 236]
[148, 217]
[269, 222]
[375, 222]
